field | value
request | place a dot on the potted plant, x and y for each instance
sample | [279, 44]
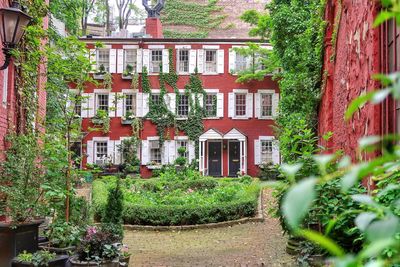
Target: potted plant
[100, 72]
[127, 74]
[124, 255]
[98, 248]
[181, 161]
[40, 258]
[102, 118]
[128, 118]
[63, 238]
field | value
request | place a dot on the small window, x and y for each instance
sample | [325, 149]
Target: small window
[130, 104]
[103, 60]
[102, 102]
[211, 61]
[183, 61]
[210, 105]
[182, 143]
[183, 106]
[240, 104]
[266, 105]
[155, 152]
[155, 98]
[266, 151]
[156, 60]
[240, 62]
[101, 152]
[130, 57]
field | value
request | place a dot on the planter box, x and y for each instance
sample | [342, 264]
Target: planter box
[76, 263]
[97, 121]
[24, 236]
[59, 261]
[128, 77]
[126, 122]
[124, 262]
[62, 251]
[98, 76]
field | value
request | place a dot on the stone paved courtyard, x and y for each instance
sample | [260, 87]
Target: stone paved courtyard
[251, 244]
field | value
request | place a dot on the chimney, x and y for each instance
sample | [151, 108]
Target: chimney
[153, 22]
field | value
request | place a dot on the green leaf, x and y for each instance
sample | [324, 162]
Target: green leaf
[344, 162]
[323, 241]
[291, 170]
[364, 219]
[350, 178]
[375, 263]
[298, 200]
[383, 229]
[363, 199]
[382, 17]
[376, 248]
[368, 141]
[380, 95]
[358, 103]
[323, 160]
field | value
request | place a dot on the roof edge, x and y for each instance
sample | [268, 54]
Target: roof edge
[175, 40]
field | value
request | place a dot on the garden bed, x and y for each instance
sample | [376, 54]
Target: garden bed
[174, 200]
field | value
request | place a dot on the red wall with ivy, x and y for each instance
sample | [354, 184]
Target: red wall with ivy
[348, 67]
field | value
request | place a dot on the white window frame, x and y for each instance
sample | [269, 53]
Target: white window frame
[134, 60]
[179, 105]
[179, 62]
[160, 151]
[215, 63]
[97, 99]
[242, 64]
[245, 105]
[98, 62]
[133, 104]
[271, 95]
[270, 146]
[152, 66]
[214, 95]
[178, 144]
[103, 158]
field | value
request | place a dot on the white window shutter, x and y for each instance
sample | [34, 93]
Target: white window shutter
[249, 105]
[110, 150]
[192, 151]
[232, 59]
[172, 102]
[192, 60]
[84, 105]
[139, 60]
[139, 105]
[165, 153]
[91, 108]
[200, 61]
[146, 59]
[90, 152]
[257, 152]
[275, 152]
[220, 60]
[201, 100]
[92, 58]
[275, 104]
[117, 152]
[145, 152]
[113, 60]
[172, 151]
[120, 63]
[145, 105]
[257, 103]
[120, 104]
[220, 105]
[249, 62]
[111, 105]
[165, 60]
[231, 106]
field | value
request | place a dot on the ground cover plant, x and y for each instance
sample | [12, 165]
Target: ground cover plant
[180, 198]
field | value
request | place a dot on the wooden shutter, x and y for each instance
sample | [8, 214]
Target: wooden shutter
[145, 152]
[257, 103]
[145, 105]
[276, 157]
[231, 105]
[113, 60]
[200, 60]
[220, 105]
[192, 60]
[139, 60]
[165, 153]
[84, 105]
[249, 105]
[172, 102]
[92, 58]
[89, 152]
[165, 60]
[275, 104]
[117, 152]
[146, 59]
[139, 105]
[172, 151]
[192, 151]
[111, 105]
[220, 60]
[120, 58]
[232, 59]
[110, 150]
[120, 104]
[257, 152]
[91, 106]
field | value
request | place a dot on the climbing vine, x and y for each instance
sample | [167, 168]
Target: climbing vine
[335, 32]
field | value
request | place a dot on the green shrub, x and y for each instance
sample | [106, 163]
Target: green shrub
[112, 217]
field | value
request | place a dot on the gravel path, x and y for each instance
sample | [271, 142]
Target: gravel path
[250, 244]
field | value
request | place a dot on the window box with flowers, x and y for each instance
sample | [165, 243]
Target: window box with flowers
[154, 165]
[99, 75]
[101, 118]
[128, 72]
[128, 118]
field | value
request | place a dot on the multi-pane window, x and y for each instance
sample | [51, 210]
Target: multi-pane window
[211, 61]
[183, 106]
[78, 107]
[102, 102]
[240, 62]
[266, 105]
[155, 98]
[103, 60]
[155, 151]
[266, 151]
[240, 104]
[182, 143]
[183, 61]
[210, 105]
[156, 60]
[130, 57]
[101, 152]
[130, 104]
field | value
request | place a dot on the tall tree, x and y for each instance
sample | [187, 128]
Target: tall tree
[69, 12]
[125, 8]
[103, 15]
[87, 6]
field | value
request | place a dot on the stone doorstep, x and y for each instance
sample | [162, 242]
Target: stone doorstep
[256, 219]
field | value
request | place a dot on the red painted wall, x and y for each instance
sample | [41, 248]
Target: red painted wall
[252, 128]
[349, 74]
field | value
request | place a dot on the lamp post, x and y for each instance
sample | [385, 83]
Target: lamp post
[13, 22]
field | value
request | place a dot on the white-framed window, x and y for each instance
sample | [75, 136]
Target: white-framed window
[130, 104]
[155, 151]
[102, 102]
[156, 99]
[266, 151]
[210, 105]
[183, 106]
[103, 60]
[185, 144]
[240, 62]
[78, 107]
[130, 59]
[211, 61]
[240, 104]
[5, 87]
[155, 60]
[101, 152]
[266, 105]
[183, 61]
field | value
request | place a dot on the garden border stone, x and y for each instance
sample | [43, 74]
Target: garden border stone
[258, 218]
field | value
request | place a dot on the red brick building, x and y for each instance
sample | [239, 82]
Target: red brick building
[360, 50]
[238, 134]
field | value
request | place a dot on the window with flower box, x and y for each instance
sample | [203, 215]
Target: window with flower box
[103, 60]
[130, 104]
[183, 61]
[155, 152]
[130, 60]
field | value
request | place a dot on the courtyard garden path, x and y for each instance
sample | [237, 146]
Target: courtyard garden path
[250, 244]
